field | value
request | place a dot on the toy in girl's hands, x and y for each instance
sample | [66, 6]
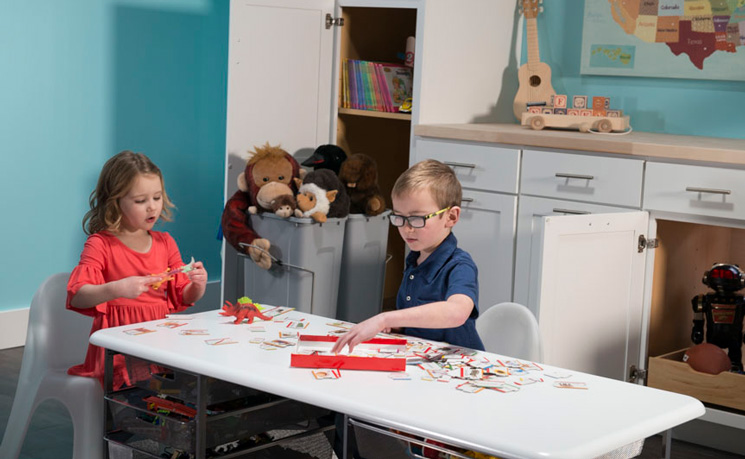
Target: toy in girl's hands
[359, 174]
[245, 309]
[169, 275]
[268, 165]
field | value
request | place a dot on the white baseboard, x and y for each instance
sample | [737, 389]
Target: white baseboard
[13, 323]
[13, 326]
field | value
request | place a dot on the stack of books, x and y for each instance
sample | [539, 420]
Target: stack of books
[374, 85]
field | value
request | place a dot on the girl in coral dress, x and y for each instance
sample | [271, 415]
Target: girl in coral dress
[114, 281]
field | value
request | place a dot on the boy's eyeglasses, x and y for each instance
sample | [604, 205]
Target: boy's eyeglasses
[415, 221]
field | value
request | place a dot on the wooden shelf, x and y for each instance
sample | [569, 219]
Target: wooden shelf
[375, 114]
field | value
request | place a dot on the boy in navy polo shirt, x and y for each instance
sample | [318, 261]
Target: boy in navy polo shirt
[438, 297]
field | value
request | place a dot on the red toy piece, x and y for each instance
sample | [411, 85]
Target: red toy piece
[245, 309]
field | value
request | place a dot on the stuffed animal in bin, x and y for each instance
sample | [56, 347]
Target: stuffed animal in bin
[359, 174]
[321, 195]
[326, 157]
[269, 173]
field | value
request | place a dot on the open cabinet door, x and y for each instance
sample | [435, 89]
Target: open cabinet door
[279, 89]
[591, 293]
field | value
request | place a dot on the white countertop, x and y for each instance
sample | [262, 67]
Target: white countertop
[538, 421]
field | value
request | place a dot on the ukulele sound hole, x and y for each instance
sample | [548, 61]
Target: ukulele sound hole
[535, 80]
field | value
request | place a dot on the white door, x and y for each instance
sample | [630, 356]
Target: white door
[485, 231]
[529, 240]
[279, 87]
[591, 295]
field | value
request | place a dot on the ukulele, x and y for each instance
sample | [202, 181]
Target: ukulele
[534, 78]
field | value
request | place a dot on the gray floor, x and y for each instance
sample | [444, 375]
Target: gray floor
[50, 432]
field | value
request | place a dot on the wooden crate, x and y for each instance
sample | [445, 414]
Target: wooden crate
[669, 372]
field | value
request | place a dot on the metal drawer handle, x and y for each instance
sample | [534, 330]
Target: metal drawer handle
[569, 211]
[696, 189]
[466, 200]
[574, 176]
[452, 164]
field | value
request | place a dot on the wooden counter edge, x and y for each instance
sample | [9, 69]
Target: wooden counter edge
[642, 144]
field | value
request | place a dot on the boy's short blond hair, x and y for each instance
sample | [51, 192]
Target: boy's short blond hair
[433, 176]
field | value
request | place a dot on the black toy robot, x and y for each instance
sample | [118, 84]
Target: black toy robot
[723, 309]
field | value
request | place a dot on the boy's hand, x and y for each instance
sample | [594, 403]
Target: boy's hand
[363, 331]
[134, 286]
[198, 275]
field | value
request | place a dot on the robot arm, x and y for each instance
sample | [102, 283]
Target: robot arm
[697, 334]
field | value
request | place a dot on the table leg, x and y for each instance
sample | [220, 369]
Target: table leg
[667, 443]
[345, 438]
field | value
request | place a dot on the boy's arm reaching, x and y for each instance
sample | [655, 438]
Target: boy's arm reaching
[442, 314]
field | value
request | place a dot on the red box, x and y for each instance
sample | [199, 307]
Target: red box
[347, 362]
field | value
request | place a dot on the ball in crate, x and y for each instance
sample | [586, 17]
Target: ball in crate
[707, 358]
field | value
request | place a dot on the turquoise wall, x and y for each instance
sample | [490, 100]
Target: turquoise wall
[84, 79]
[668, 105]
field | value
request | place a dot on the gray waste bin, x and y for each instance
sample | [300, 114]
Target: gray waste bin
[308, 277]
[363, 267]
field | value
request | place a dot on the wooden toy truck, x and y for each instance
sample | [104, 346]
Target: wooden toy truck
[538, 121]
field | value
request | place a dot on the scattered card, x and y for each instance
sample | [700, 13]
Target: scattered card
[326, 374]
[399, 376]
[172, 324]
[570, 385]
[256, 340]
[278, 343]
[193, 332]
[287, 334]
[138, 331]
[298, 325]
[219, 341]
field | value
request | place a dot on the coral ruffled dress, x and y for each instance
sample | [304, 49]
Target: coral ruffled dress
[104, 259]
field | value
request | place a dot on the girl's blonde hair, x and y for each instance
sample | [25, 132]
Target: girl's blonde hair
[433, 176]
[116, 179]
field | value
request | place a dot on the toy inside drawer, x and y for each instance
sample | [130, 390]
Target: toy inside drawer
[134, 412]
[669, 372]
[183, 385]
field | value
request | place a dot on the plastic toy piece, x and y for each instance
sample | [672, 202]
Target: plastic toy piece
[165, 406]
[245, 309]
[171, 274]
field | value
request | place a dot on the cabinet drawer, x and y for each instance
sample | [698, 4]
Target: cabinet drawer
[480, 167]
[603, 180]
[699, 190]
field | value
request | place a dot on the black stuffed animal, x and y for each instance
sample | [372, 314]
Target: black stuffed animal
[326, 157]
[327, 180]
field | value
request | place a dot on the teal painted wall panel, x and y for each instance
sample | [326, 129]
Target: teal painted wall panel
[84, 79]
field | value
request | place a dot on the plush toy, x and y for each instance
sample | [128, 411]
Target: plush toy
[268, 165]
[359, 174]
[326, 157]
[314, 202]
[284, 205]
[328, 181]
[268, 194]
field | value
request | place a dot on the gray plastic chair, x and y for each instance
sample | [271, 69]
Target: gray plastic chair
[510, 329]
[56, 340]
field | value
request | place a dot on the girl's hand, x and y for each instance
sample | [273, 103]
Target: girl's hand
[198, 275]
[363, 331]
[134, 286]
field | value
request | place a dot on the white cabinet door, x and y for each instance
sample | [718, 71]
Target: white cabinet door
[486, 231]
[529, 241]
[279, 88]
[592, 289]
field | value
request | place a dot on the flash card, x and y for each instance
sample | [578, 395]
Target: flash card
[469, 388]
[557, 374]
[219, 341]
[399, 376]
[298, 325]
[193, 332]
[287, 334]
[172, 324]
[570, 385]
[256, 340]
[256, 328]
[138, 331]
[278, 343]
[327, 374]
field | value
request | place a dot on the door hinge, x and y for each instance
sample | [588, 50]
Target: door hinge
[635, 374]
[332, 21]
[645, 243]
